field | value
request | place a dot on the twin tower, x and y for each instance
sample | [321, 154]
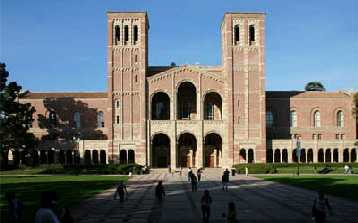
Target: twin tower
[239, 83]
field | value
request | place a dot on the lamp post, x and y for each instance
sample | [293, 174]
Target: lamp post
[298, 154]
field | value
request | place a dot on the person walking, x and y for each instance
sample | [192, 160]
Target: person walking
[319, 209]
[121, 189]
[205, 206]
[225, 180]
[46, 214]
[159, 191]
[198, 173]
[190, 172]
[194, 183]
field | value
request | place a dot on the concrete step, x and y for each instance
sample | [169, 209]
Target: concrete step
[158, 170]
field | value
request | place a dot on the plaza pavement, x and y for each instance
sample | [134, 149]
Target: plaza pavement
[256, 201]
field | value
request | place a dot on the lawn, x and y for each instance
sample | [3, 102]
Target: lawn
[70, 189]
[342, 186]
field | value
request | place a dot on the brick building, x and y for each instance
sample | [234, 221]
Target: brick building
[192, 115]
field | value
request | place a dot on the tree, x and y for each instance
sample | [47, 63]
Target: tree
[314, 86]
[15, 118]
[355, 112]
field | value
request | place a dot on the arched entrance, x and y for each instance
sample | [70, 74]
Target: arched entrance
[212, 150]
[186, 101]
[186, 152]
[212, 106]
[160, 151]
[243, 158]
[328, 156]
[160, 106]
[284, 156]
[277, 156]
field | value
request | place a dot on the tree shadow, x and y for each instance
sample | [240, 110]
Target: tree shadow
[61, 124]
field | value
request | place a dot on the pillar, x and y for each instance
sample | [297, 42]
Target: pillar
[173, 157]
[199, 151]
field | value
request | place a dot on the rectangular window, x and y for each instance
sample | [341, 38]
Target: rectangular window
[319, 136]
[338, 136]
[210, 111]
[126, 35]
[342, 136]
[313, 136]
[117, 119]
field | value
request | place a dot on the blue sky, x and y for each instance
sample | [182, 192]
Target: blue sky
[61, 45]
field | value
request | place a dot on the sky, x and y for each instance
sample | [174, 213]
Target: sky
[51, 46]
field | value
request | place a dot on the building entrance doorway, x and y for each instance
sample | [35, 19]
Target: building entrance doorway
[212, 150]
[186, 151]
[160, 151]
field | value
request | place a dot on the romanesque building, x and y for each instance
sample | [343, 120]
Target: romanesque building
[192, 115]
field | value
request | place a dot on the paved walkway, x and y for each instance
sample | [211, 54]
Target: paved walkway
[256, 201]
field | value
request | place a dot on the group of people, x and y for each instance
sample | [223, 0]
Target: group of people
[47, 213]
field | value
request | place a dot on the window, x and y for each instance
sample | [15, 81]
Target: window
[293, 119]
[319, 136]
[136, 78]
[340, 119]
[100, 119]
[159, 110]
[52, 118]
[77, 120]
[313, 136]
[251, 34]
[117, 119]
[236, 34]
[126, 37]
[117, 103]
[317, 119]
[135, 58]
[117, 35]
[269, 119]
[135, 34]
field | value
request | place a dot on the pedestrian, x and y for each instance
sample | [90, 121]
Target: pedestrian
[198, 173]
[246, 171]
[121, 189]
[319, 209]
[159, 191]
[225, 180]
[15, 208]
[46, 214]
[231, 213]
[190, 172]
[194, 183]
[205, 206]
[346, 169]
[66, 216]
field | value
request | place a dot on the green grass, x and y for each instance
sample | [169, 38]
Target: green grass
[70, 189]
[342, 186]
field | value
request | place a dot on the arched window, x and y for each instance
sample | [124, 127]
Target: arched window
[269, 119]
[77, 120]
[135, 34]
[100, 119]
[340, 119]
[236, 34]
[317, 119]
[251, 34]
[126, 35]
[293, 119]
[117, 34]
[52, 118]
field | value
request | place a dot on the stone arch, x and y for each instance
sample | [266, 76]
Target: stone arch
[160, 150]
[243, 156]
[328, 156]
[87, 157]
[294, 156]
[335, 155]
[160, 106]
[284, 156]
[131, 156]
[346, 155]
[95, 157]
[303, 155]
[310, 156]
[186, 102]
[186, 151]
[103, 156]
[212, 105]
[123, 159]
[320, 155]
[277, 156]
[250, 156]
[353, 155]
[212, 150]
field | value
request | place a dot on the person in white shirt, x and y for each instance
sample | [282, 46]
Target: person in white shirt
[45, 213]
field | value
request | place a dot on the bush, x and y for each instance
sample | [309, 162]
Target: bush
[268, 168]
[92, 169]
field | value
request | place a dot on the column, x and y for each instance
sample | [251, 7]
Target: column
[173, 146]
[289, 154]
[199, 151]
[280, 156]
[315, 155]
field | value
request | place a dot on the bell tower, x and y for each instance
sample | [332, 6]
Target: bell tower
[127, 63]
[243, 58]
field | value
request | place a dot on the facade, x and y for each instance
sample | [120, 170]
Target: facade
[190, 115]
